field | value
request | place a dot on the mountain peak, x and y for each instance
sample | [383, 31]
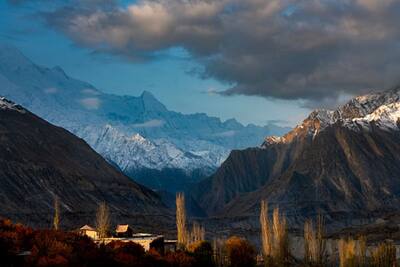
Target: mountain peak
[232, 123]
[381, 108]
[272, 140]
[11, 58]
[148, 95]
[150, 102]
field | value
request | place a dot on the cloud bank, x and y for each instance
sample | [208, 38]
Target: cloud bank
[313, 50]
[91, 103]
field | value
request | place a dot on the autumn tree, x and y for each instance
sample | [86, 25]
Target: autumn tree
[314, 243]
[274, 237]
[181, 220]
[103, 220]
[202, 251]
[266, 234]
[197, 234]
[240, 252]
[56, 219]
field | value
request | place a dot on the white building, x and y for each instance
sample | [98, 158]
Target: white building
[89, 231]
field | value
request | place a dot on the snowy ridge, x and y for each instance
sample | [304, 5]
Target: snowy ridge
[7, 104]
[136, 152]
[379, 109]
[385, 117]
[271, 140]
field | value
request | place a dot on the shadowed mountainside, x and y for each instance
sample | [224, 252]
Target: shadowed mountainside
[39, 161]
[344, 163]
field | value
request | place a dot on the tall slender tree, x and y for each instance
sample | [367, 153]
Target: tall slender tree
[274, 236]
[266, 237]
[103, 220]
[181, 220]
[56, 219]
[198, 233]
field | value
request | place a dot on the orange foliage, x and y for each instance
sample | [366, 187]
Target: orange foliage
[179, 259]
[240, 252]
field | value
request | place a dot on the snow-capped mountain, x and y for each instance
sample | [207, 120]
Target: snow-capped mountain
[344, 163]
[39, 161]
[364, 112]
[135, 133]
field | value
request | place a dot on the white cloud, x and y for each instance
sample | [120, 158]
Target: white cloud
[225, 134]
[314, 50]
[91, 103]
[212, 91]
[149, 124]
[89, 91]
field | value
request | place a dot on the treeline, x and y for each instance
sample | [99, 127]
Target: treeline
[276, 247]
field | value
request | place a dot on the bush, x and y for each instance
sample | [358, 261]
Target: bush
[240, 252]
[202, 252]
[131, 248]
[180, 259]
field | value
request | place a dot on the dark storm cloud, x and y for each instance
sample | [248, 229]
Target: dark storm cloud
[315, 50]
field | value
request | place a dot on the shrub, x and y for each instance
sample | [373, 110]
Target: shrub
[240, 252]
[202, 251]
[180, 259]
[384, 255]
[131, 248]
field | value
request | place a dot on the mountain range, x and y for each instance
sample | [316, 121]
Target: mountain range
[344, 163]
[159, 148]
[40, 161]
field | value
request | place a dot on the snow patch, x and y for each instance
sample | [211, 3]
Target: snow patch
[7, 104]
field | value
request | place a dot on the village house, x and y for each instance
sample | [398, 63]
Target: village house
[89, 231]
[123, 230]
[124, 233]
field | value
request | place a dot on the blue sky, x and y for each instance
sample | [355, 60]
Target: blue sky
[168, 77]
[256, 61]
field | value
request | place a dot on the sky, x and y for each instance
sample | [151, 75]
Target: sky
[257, 61]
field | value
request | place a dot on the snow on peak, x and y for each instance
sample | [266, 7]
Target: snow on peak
[7, 104]
[137, 138]
[324, 116]
[271, 140]
[133, 132]
[381, 109]
[386, 117]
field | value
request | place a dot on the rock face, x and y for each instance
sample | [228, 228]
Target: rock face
[344, 163]
[39, 161]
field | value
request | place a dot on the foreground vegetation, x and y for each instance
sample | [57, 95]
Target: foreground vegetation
[24, 246]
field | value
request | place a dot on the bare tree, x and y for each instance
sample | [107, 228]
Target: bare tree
[103, 220]
[274, 236]
[266, 235]
[56, 219]
[198, 233]
[281, 238]
[314, 242]
[219, 252]
[181, 220]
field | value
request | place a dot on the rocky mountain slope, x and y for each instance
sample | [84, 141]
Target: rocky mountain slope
[39, 161]
[344, 163]
[139, 134]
